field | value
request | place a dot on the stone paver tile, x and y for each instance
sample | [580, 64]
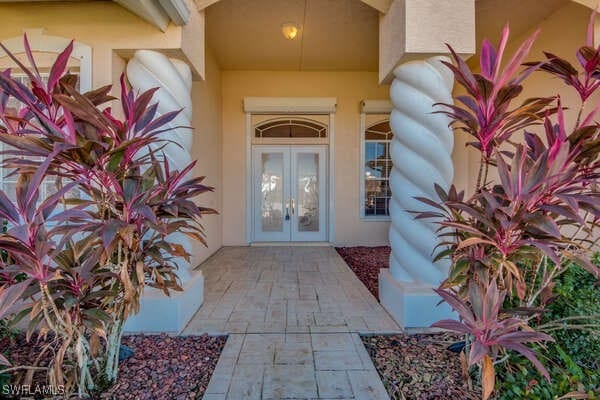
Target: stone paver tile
[308, 292]
[266, 327]
[255, 343]
[247, 316]
[298, 353]
[232, 346]
[337, 360]
[297, 329]
[367, 385]
[362, 352]
[213, 396]
[329, 318]
[236, 327]
[332, 341]
[330, 329]
[333, 384]
[246, 383]
[294, 338]
[259, 358]
[356, 324]
[210, 326]
[220, 380]
[221, 312]
[289, 381]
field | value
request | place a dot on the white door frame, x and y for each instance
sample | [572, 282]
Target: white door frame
[283, 106]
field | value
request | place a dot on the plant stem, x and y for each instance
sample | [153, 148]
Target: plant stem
[480, 173]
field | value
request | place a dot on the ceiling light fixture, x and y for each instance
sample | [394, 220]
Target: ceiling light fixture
[290, 30]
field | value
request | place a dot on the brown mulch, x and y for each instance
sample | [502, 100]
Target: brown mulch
[366, 262]
[419, 367]
[162, 367]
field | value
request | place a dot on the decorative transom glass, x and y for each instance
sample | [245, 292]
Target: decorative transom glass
[290, 128]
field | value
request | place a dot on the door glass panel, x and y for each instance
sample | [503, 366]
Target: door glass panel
[308, 192]
[272, 192]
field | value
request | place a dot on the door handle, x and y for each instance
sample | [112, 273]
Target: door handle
[287, 209]
[293, 206]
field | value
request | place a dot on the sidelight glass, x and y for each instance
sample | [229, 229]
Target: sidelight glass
[308, 192]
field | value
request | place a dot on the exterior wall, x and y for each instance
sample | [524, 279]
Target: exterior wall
[349, 88]
[207, 149]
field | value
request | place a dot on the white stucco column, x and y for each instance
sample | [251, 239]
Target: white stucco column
[146, 70]
[412, 41]
[421, 153]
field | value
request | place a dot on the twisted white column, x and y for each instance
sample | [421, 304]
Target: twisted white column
[150, 69]
[420, 152]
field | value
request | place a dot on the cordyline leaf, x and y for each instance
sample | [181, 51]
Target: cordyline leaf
[516, 61]
[478, 352]
[29, 54]
[7, 209]
[9, 295]
[457, 304]
[59, 67]
[488, 60]
[488, 377]
[451, 325]
[527, 353]
[472, 241]
[23, 68]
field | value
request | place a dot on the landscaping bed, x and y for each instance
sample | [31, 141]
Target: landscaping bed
[162, 367]
[419, 367]
[366, 262]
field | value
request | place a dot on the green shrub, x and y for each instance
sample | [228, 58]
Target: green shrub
[573, 361]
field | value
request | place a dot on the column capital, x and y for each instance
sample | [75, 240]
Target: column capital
[420, 29]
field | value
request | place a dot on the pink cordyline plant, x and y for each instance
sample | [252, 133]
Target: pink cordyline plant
[511, 239]
[77, 265]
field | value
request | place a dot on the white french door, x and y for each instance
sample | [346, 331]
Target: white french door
[290, 193]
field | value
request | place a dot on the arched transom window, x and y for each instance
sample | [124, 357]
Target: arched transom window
[290, 128]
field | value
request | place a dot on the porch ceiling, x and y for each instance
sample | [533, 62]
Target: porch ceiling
[335, 34]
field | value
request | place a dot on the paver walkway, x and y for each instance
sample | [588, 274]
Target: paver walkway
[293, 315]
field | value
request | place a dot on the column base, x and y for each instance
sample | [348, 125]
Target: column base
[168, 314]
[411, 304]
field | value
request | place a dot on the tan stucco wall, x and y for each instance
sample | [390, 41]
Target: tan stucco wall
[207, 149]
[349, 88]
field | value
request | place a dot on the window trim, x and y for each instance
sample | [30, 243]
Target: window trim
[369, 107]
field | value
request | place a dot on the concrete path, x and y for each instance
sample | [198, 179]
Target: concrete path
[293, 315]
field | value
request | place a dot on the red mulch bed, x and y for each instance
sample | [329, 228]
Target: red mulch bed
[366, 263]
[419, 367]
[162, 367]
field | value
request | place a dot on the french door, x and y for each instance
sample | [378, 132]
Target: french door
[290, 193]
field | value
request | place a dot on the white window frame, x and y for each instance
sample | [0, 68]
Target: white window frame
[383, 107]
